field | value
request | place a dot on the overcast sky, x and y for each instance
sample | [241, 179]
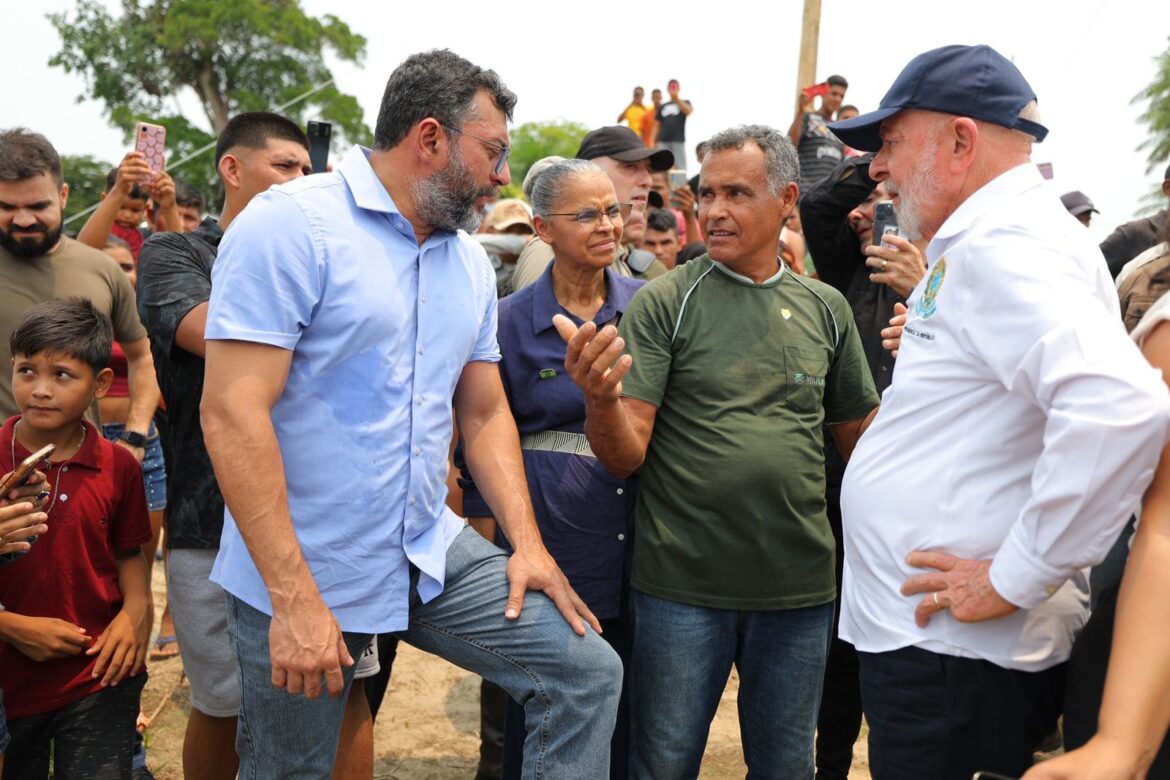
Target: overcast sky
[736, 61]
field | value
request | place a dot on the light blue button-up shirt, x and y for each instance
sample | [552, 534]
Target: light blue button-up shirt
[380, 330]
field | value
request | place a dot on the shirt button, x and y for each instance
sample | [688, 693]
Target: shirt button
[421, 350]
[418, 450]
[64, 469]
[413, 500]
[418, 400]
[621, 537]
[620, 491]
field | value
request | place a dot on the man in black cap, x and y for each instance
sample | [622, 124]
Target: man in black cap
[1019, 433]
[1131, 239]
[1079, 205]
[619, 151]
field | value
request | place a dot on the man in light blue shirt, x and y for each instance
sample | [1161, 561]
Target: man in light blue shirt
[349, 312]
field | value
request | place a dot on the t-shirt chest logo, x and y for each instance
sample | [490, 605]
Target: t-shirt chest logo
[928, 304]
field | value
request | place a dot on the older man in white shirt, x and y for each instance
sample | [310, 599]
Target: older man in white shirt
[1019, 433]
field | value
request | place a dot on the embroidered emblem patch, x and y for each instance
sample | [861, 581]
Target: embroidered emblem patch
[928, 304]
[785, 313]
[548, 373]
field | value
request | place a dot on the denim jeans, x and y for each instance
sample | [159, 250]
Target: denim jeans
[569, 685]
[682, 658]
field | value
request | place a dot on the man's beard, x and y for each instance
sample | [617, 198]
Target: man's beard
[920, 188]
[28, 247]
[446, 200]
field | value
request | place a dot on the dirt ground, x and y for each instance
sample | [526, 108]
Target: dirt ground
[428, 728]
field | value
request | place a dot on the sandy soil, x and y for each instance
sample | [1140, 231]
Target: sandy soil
[428, 728]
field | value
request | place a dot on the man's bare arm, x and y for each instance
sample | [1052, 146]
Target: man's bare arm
[242, 383]
[846, 434]
[491, 446]
[144, 392]
[189, 334]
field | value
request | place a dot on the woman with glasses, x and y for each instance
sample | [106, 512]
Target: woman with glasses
[586, 516]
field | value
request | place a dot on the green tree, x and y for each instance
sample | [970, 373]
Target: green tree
[533, 141]
[1157, 114]
[86, 178]
[243, 55]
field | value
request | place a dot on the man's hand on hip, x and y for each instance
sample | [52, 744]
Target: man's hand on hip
[960, 585]
[305, 642]
[536, 570]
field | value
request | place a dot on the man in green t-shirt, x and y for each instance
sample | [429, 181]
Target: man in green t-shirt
[717, 391]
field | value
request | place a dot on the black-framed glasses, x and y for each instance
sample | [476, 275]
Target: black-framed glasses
[504, 150]
[591, 217]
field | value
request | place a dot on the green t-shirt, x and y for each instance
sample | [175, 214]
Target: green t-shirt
[731, 512]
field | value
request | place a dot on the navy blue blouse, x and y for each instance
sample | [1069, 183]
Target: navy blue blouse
[585, 514]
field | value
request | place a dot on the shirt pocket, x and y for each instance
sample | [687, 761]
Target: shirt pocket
[805, 372]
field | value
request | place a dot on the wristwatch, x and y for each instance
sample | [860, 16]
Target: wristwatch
[134, 439]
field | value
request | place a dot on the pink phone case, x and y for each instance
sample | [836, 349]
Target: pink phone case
[151, 140]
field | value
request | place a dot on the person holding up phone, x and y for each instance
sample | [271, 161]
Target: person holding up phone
[819, 150]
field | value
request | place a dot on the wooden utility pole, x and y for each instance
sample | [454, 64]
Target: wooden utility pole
[810, 31]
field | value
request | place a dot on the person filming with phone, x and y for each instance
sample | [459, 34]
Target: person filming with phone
[819, 149]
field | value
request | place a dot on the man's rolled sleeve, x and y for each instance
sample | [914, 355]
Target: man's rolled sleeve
[266, 282]
[1051, 341]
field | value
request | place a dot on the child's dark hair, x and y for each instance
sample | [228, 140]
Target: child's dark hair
[70, 327]
[136, 192]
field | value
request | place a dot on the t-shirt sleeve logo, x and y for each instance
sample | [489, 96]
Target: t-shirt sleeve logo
[928, 304]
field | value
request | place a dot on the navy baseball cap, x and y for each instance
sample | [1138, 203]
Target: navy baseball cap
[972, 81]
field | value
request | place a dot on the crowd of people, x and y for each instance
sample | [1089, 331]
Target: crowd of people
[598, 445]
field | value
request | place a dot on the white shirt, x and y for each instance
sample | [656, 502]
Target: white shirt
[1022, 425]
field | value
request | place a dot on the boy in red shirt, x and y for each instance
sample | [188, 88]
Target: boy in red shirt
[77, 610]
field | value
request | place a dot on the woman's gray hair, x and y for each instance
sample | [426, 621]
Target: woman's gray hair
[544, 187]
[783, 167]
[534, 170]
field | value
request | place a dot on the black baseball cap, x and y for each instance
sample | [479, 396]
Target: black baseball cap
[971, 81]
[622, 143]
[1077, 203]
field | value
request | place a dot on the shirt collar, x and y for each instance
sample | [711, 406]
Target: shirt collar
[544, 301]
[1008, 184]
[86, 456]
[370, 194]
[769, 282]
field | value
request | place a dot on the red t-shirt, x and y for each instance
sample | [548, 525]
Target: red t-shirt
[132, 236]
[71, 572]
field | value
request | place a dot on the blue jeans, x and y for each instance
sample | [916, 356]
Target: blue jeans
[569, 685]
[682, 658]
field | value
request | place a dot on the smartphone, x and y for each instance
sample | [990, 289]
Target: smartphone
[991, 776]
[817, 89]
[885, 221]
[151, 140]
[319, 134]
[27, 466]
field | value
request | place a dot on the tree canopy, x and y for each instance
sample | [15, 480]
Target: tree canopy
[244, 55]
[86, 177]
[1157, 114]
[533, 141]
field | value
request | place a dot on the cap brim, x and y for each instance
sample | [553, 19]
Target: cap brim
[863, 132]
[660, 159]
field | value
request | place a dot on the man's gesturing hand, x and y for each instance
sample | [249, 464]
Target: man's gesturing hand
[590, 358]
[961, 585]
[536, 570]
[305, 642]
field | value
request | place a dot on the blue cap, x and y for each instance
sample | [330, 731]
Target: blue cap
[972, 81]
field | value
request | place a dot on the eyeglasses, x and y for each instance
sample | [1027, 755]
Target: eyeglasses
[590, 218]
[504, 150]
